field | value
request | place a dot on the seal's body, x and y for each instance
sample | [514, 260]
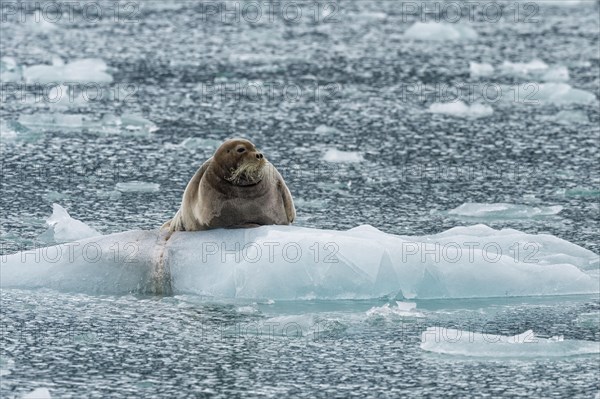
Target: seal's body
[237, 187]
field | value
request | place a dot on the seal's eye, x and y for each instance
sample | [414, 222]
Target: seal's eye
[241, 149]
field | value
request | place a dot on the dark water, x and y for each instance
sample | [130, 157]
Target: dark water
[296, 88]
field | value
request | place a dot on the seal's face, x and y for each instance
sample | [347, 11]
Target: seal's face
[240, 162]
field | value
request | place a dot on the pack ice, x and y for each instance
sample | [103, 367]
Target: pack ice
[285, 262]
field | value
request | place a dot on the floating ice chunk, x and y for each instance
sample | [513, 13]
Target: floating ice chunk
[562, 93]
[435, 31]
[129, 124]
[524, 68]
[335, 155]
[53, 121]
[480, 344]
[9, 70]
[193, 143]
[556, 74]
[402, 309]
[460, 109]
[63, 228]
[137, 187]
[536, 69]
[286, 262]
[89, 70]
[483, 69]
[246, 309]
[326, 130]
[502, 211]
[137, 123]
[568, 117]
[38, 393]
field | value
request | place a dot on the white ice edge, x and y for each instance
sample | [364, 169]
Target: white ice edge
[482, 344]
[288, 263]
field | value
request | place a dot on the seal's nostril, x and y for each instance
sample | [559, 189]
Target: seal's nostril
[259, 156]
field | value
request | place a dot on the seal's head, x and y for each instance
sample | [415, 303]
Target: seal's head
[239, 162]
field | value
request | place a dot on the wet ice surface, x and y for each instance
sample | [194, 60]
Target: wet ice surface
[414, 162]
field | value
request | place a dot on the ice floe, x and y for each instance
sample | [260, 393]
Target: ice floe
[285, 262]
[481, 344]
[402, 309]
[461, 109]
[10, 71]
[437, 31]
[194, 143]
[536, 69]
[567, 117]
[500, 211]
[38, 393]
[562, 93]
[483, 69]
[128, 124]
[137, 187]
[335, 155]
[88, 70]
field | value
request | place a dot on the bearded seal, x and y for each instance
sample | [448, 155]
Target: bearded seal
[236, 187]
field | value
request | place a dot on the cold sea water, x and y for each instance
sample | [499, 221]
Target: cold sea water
[350, 101]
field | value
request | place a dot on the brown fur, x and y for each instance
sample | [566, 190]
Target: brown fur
[234, 189]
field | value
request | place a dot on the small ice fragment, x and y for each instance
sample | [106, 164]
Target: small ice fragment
[502, 211]
[406, 306]
[536, 69]
[134, 122]
[434, 31]
[567, 117]
[137, 186]
[335, 155]
[89, 70]
[326, 130]
[562, 93]
[247, 310]
[524, 68]
[556, 74]
[483, 69]
[9, 70]
[482, 344]
[460, 109]
[193, 143]
[54, 121]
[402, 309]
[38, 393]
[63, 228]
